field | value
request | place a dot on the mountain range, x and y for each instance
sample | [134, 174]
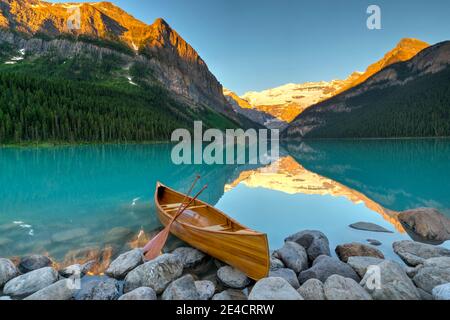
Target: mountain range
[115, 78]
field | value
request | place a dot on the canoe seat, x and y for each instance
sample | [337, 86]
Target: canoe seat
[217, 227]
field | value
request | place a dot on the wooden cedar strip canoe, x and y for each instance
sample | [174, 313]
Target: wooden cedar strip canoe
[213, 232]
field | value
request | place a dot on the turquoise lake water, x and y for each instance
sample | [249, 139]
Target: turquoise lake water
[82, 202]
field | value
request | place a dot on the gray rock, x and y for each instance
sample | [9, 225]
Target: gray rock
[415, 253]
[70, 235]
[276, 263]
[389, 281]
[293, 256]
[360, 264]
[374, 242]
[182, 289]
[412, 271]
[205, 289]
[99, 289]
[232, 277]
[30, 282]
[34, 262]
[61, 290]
[8, 271]
[156, 274]
[190, 257]
[142, 293]
[427, 223]
[230, 294]
[425, 295]
[368, 226]
[441, 292]
[287, 274]
[312, 290]
[355, 249]
[315, 242]
[339, 288]
[325, 266]
[273, 288]
[124, 263]
[439, 262]
[429, 277]
[5, 298]
[77, 269]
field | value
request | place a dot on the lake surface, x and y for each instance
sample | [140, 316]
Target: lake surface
[93, 202]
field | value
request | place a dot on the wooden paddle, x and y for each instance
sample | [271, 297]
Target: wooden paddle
[154, 247]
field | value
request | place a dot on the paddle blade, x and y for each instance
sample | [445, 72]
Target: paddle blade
[154, 247]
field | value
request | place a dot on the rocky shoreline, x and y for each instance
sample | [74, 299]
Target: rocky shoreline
[303, 269]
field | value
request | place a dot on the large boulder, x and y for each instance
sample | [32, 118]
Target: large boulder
[230, 294]
[293, 256]
[190, 257]
[312, 290]
[34, 262]
[99, 289]
[389, 281]
[354, 249]
[205, 289]
[441, 292]
[315, 242]
[287, 274]
[427, 223]
[232, 277]
[324, 267]
[368, 226]
[156, 274]
[182, 289]
[60, 290]
[273, 288]
[30, 282]
[142, 293]
[337, 287]
[124, 263]
[361, 264]
[8, 271]
[415, 253]
[434, 272]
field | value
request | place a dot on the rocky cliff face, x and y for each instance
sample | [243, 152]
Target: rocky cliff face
[172, 60]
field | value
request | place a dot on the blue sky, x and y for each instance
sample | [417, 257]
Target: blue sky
[259, 44]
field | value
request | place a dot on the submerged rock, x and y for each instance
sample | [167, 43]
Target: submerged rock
[99, 289]
[273, 288]
[361, 264]
[230, 294]
[118, 235]
[190, 257]
[354, 249]
[427, 223]
[70, 235]
[30, 282]
[315, 242]
[415, 253]
[34, 262]
[293, 256]
[61, 290]
[156, 274]
[339, 288]
[8, 271]
[368, 226]
[441, 292]
[374, 242]
[324, 267]
[287, 274]
[389, 281]
[312, 290]
[124, 263]
[232, 277]
[205, 289]
[142, 293]
[182, 289]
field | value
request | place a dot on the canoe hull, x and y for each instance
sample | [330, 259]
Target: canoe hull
[246, 252]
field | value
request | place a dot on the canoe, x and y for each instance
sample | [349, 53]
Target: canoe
[213, 232]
